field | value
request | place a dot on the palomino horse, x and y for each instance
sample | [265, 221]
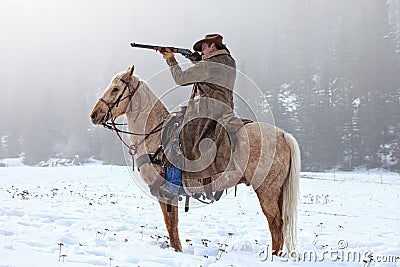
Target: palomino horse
[270, 163]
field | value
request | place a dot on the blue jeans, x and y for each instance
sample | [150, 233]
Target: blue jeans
[174, 179]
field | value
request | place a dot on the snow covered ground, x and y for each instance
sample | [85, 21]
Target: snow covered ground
[97, 216]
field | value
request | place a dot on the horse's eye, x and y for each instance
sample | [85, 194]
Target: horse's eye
[115, 89]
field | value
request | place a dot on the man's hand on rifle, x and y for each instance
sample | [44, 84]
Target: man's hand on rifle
[195, 56]
[167, 53]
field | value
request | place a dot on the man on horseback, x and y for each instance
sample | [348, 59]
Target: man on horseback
[204, 140]
[266, 157]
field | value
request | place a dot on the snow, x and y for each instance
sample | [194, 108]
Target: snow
[102, 218]
[356, 102]
[12, 162]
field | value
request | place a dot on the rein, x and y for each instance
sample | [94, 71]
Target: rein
[132, 149]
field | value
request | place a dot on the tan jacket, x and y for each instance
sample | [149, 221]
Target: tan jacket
[210, 104]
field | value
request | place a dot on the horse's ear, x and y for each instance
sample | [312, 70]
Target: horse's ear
[128, 73]
[130, 70]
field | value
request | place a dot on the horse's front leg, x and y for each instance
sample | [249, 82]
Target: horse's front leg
[171, 222]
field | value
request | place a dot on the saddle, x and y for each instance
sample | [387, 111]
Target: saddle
[172, 155]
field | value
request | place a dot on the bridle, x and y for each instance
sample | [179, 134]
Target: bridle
[119, 99]
[112, 125]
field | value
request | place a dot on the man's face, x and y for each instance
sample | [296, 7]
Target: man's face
[206, 48]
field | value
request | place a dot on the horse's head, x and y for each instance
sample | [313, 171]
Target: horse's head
[115, 100]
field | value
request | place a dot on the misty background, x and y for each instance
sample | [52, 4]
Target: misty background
[329, 70]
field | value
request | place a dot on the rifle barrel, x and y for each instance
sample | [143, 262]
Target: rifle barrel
[143, 45]
[183, 51]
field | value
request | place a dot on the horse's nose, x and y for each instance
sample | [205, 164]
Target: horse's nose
[93, 115]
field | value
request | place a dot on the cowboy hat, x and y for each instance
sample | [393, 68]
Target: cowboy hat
[209, 38]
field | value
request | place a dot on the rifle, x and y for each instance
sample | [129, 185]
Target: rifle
[183, 51]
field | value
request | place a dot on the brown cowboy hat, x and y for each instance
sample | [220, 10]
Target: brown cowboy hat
[209, 38]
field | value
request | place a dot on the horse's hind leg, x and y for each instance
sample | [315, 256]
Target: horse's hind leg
[171, 223]
[271, 205]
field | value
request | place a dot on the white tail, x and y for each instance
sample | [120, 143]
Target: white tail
[290, 195]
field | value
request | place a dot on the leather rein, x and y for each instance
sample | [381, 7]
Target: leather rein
[112, 125]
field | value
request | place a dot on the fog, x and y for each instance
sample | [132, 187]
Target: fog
[57, 57]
